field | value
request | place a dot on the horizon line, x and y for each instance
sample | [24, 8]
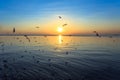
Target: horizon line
[58, 34]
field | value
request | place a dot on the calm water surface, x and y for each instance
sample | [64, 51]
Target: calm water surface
[59, 58]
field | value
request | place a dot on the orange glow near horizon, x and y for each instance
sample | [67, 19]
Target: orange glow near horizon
[53, 26]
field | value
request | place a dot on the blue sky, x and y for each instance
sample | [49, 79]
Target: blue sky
[93, 12]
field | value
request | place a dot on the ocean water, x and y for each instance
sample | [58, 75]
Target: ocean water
[59, 58]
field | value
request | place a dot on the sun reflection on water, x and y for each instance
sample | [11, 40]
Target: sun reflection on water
[60, 39]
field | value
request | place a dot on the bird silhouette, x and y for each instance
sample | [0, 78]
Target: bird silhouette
[37, 27]
[27, 37]
[97, 34]
[60, 17]
[13, 30]
[64, 25]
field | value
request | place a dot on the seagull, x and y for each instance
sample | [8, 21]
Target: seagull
[27, 37]
[13, 30]
[60, 17]
[97, 34]
[64, 25]
[37, 27]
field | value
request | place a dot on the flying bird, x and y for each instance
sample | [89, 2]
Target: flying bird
[60, 17]
[64, 25]
[27, 37]
[97, 34]
[37, 27]
[13, 30]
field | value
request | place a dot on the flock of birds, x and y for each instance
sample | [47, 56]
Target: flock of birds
[64, 25]
[26, 36]
[29, 40]
[96, 33]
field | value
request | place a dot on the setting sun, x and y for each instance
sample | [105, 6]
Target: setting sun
[60, 29]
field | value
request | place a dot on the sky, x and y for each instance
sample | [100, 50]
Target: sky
[81, 16]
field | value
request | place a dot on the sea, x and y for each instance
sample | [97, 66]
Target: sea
[59, 58]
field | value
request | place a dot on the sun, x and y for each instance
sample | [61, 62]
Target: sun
[60, 29]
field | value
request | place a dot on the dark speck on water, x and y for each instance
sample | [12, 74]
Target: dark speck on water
[33, 57]
[0, 69]
[66, 53]
[49, 65]
[49, 59]
[24, 68]
[22, 56]
[66, 63]
[37, 61]
[5, 66]
[25, 51]
[5, 61]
